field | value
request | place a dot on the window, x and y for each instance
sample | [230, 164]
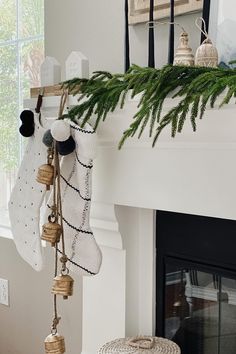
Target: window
[21, 53]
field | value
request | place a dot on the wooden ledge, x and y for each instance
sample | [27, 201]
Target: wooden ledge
[55, 90]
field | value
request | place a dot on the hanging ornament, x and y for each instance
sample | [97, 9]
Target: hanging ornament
[51, 230]
[27, 127]
[46, 171]
[184, 54]
[206, 54]
[63, 285]
[54, 343]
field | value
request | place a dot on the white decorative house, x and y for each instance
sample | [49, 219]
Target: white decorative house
[50, 72]
[77, 65]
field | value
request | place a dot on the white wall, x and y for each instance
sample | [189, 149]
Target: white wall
[97, 29]
[26, 323]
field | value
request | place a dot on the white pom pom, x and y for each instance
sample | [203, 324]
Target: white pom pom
[60, 130]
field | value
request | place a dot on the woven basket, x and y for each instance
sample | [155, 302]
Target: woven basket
[144, 345]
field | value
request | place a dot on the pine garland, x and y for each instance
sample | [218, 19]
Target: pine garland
[195, 86]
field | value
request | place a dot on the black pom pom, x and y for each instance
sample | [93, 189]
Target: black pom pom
[66, 147]
[27, 117]
[47, 138]
[26, 130]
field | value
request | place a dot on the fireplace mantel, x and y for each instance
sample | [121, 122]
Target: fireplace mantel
[191, 173]
[194, 173]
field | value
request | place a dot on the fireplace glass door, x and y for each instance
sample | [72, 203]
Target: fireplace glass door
[200, 310]
[196, 282]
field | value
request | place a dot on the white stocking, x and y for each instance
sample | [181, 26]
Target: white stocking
[26, 199]
[76, 172]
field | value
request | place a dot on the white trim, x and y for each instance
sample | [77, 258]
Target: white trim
[5, 232]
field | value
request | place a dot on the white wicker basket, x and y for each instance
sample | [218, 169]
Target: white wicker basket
[140, 345]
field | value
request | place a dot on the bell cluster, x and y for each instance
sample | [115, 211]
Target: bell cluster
[52, 232]
[206, 54]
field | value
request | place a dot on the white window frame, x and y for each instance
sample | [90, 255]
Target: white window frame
[5, 231]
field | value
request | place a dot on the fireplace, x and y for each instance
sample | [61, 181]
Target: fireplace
[196, 282]
[140, 180]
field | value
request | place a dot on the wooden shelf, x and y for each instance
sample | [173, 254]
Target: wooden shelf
[54, 90]
[48, 91]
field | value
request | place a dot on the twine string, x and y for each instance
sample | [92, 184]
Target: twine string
[59, 200]
[56, 210]
[63, 259]
[203, 23]
[141, 342]
[63, 100]
[153, 24]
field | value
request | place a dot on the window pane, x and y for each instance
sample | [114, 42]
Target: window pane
[9, 137]
[8, 107]
[32, 54]
[20, 20]
[32, 18]
[7, 20]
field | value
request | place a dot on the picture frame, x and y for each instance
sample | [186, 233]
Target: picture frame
[139, 9]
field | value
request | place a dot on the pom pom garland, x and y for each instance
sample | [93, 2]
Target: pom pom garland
[27, 117]
[47, 138]
[27, 127]
[66, 147]
[26, 130]
[60, 130]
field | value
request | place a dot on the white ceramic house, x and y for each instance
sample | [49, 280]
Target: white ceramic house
[77, 65]
[50, 72]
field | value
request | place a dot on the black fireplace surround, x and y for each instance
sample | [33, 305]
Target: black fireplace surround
[196, 282]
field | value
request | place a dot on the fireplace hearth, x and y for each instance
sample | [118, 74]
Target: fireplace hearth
[196, 282]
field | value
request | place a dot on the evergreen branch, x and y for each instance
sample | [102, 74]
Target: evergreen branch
[194, 86]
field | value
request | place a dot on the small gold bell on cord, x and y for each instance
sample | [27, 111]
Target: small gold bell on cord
[46, 172]
[63, 285]
[54, 343]
[184, 55]
[206, 54]
[51, 231]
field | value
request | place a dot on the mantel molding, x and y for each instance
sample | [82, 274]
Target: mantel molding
[214, 130]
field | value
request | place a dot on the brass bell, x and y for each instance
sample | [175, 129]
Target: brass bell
[184, 55]
[63, 285]
[51, 231]
[207, 55]
[45, 175]
[54, 343]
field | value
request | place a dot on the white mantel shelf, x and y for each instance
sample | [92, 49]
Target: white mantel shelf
[194, 173]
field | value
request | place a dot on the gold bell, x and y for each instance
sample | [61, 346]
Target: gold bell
[63, 285]
[51, 231]
[54, 343]
[184, 55]
[206, 55]
[45, 175]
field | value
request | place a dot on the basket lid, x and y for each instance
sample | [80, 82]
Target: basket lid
[136, 345]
